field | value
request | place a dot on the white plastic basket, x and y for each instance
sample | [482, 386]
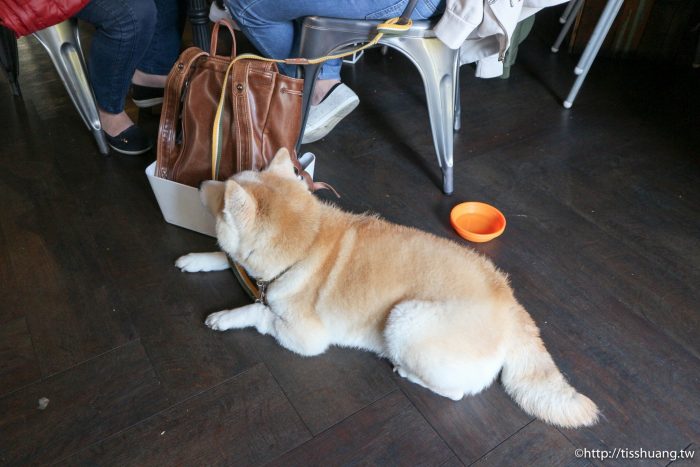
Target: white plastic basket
[181, 206]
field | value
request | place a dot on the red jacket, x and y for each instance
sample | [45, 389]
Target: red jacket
[27, 16]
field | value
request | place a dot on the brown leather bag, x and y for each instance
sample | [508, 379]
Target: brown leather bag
[261, 114]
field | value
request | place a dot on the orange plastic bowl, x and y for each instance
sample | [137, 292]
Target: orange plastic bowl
[477, 222]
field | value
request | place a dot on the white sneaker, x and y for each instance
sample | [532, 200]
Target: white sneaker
[337, 104]
[216, 14]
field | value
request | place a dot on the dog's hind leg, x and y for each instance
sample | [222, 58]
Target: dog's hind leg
[203, 262]
[454, 394]
[447, 347]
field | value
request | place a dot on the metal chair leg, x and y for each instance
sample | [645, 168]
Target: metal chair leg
[598, 36]
[63, 46]
[567, 11]
[601, 30]
[458, 103]
[573, 8]
[438, 66]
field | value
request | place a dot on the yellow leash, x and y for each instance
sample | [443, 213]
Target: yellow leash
[390, 26]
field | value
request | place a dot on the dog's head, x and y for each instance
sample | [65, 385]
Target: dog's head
[266, 220]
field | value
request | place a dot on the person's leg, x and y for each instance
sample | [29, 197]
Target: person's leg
[164, 47]
[123, 30]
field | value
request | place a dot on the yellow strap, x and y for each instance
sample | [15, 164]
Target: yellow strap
[216, 131]
[392, 27]
[389, 26]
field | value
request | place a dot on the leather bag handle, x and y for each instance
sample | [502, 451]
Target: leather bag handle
[215, 37]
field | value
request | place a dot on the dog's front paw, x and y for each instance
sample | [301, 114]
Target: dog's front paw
[202, 262]
[217, 321]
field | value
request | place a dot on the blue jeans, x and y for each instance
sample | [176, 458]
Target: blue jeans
[269, 24]
[130, 34]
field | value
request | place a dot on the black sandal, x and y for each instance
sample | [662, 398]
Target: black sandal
[132, 141]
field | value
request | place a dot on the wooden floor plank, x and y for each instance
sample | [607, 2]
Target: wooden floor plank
[43, 290]
[472, 426]
[85, 404]
[244, 421]
[536, 444]
[169, 316]
[389, 432]
[9, 311]
[60, 283]
[327, 388]
[18, 364]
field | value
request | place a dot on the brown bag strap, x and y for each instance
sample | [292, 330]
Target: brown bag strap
[313, 186]
[172, 101]
[243, 119]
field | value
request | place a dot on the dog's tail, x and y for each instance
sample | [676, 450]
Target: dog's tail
[531, 378]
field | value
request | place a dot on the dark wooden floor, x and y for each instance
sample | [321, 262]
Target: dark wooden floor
[602, 246]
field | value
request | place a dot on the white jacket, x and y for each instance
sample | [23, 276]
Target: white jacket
[482, 29]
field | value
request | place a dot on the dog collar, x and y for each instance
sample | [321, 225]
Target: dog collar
[257, 290]
[263, 285]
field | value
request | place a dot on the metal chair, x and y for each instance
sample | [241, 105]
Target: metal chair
[437, 64]
[62, 43]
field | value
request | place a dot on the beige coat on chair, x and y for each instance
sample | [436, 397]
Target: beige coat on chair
[483, 28]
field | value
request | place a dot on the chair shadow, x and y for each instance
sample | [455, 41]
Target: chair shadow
[393, 137]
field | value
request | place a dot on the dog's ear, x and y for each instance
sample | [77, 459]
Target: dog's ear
[211, 193]
[282, 165]
[237, 200]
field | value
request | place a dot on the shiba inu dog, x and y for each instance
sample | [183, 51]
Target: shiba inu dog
[441, 313]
